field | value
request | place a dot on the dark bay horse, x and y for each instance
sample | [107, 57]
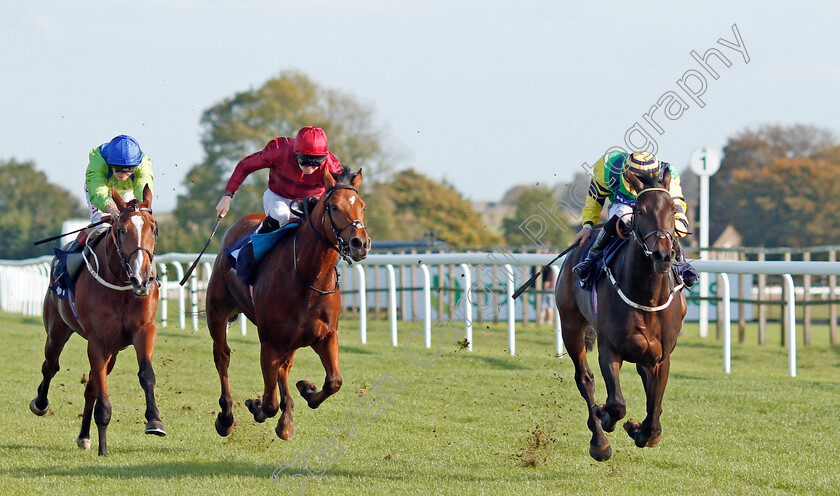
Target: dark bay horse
[115, 300]
[637, 318]
[295, 301]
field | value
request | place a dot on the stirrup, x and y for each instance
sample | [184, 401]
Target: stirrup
[583, 269]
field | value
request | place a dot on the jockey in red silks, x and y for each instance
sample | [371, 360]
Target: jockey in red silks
[609, 182]
[297, 170]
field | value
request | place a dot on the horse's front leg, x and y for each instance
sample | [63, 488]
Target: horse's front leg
[654, 379]
[615, 408]
[327, 350]
[144, 344]
[57, 335]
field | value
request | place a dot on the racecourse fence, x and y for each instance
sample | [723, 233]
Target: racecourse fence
[440, 289]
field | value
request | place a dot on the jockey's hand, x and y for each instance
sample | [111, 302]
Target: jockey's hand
[113, 211]
[223, 207]
[583, 235]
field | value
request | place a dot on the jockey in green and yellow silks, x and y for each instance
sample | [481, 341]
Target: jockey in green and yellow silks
[609, 182]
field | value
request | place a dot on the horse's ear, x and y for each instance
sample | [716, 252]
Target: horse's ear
[147, 195]
[117, 199]
[329, 180]
[666, 179]
[634, 181]
[357, 179]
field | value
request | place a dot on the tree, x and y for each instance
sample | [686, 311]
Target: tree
[792, 202]
[539, 219]
[244, 123]
[750, 152]
[31, 208]
[413, 204]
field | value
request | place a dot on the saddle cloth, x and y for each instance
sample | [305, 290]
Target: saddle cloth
[245, 254]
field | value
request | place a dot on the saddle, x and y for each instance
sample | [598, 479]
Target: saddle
[245, 254]
[66, 267]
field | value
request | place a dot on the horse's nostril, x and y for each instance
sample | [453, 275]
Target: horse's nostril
[367, 244]
[355, 243]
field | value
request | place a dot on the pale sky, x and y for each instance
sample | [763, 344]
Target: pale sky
[482, 94]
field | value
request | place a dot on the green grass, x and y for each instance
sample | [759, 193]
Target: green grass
[478, 422]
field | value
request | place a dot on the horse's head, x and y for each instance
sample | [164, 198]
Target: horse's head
[344, 210]
[653, 221]
[134, 234]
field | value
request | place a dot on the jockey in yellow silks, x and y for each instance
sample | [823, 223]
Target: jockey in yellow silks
[609, 182]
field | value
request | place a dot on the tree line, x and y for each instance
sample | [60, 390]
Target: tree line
[777, 184]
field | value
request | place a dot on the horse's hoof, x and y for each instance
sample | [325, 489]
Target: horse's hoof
[653, 441]
[224, 428]
[155, 427]
[37, 411]
[83, 442]
[306, 388]
[285, 434]
[255, 407]
[600, 453]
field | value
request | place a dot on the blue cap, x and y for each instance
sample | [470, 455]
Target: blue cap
[122, 150]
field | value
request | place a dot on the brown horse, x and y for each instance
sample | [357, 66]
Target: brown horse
[637, 318]
[295, 301]
[115, 302]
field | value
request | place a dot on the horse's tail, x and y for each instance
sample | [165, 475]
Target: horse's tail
[589, 338]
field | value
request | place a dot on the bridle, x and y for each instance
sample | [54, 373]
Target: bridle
[118, 244]
[341, 246]
[641, 240]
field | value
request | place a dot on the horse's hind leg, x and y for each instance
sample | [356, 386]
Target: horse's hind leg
[615, 408]
[144, 343]
[574, 339]
[654, 379]
[267, 405]
[327, 349]
[285, 425]
[57, 335]
[217, 322]
[97, 401]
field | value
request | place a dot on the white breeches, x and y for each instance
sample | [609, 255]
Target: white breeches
[276, 206]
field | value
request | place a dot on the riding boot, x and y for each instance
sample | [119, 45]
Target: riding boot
[583, 269]
[687, 273]
[60, 275]
[268, 225]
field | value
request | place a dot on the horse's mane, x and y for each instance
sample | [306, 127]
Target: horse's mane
[345, 176]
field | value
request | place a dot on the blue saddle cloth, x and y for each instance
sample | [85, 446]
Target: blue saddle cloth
[245, 253]
[610, 251]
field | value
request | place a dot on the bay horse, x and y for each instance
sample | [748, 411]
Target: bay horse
[295, 300]
[637, 317]
[112, 306]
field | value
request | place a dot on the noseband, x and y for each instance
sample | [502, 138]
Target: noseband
[659, 233]
[125, 257]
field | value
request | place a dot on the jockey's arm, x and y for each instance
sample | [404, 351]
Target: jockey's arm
[680, 218]
[143, 176]
[96, 179]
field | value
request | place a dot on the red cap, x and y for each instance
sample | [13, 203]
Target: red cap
[311, 141]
